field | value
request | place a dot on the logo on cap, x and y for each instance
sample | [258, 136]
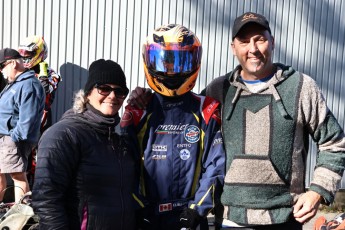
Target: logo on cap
[249, 16]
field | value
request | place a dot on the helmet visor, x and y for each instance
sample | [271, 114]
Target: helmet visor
[172, 59]
[27, 53]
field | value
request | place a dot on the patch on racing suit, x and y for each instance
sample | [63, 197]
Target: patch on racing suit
[192, 134]
[184, 154]
[171, 129]
[184, 145]
[217, 141]
[172, 205]
[165, 207]
[159, 157]
[209, 109]
[159, 148]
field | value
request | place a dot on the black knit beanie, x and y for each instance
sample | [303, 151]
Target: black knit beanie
[105, 72]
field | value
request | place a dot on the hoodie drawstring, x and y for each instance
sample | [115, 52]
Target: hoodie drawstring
[279, 102]
[233, 102]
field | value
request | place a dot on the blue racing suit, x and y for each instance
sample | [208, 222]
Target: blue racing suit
[181, 153]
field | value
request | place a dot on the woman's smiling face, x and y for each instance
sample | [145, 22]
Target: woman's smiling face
[108, 105]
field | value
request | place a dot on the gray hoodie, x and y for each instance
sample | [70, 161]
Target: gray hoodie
[266, 139]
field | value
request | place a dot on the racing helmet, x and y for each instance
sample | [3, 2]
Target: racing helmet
[33, 50]
[172, 57]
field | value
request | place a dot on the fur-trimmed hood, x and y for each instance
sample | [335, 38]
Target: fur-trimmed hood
[80, 101]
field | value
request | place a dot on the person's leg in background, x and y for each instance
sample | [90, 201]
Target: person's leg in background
[3, 181]
[3, 184]
[21, 185]
[14, 161]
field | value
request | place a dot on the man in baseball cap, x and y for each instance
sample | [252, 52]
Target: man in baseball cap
[8, 54]
[21, 109]
[251, 197]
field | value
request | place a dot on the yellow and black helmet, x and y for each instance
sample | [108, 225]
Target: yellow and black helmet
[33, 50]
[172, 57]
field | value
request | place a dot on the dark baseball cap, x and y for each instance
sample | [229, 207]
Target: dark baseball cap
[8, 54]
[246, 18]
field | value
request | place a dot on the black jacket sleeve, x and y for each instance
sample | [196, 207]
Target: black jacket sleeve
[57, 162]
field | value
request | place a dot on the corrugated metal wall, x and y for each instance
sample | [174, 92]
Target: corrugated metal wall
[309, 35]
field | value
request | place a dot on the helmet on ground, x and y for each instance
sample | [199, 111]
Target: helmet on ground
[33, 50]
[172, 57]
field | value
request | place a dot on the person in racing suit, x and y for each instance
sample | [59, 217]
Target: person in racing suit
[177, 136]
[34, 51]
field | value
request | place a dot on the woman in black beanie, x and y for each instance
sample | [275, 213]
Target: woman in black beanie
[85, 173]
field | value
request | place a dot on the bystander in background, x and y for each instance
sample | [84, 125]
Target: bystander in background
[21, 107]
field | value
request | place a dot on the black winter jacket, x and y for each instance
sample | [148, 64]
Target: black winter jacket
[84, 175]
